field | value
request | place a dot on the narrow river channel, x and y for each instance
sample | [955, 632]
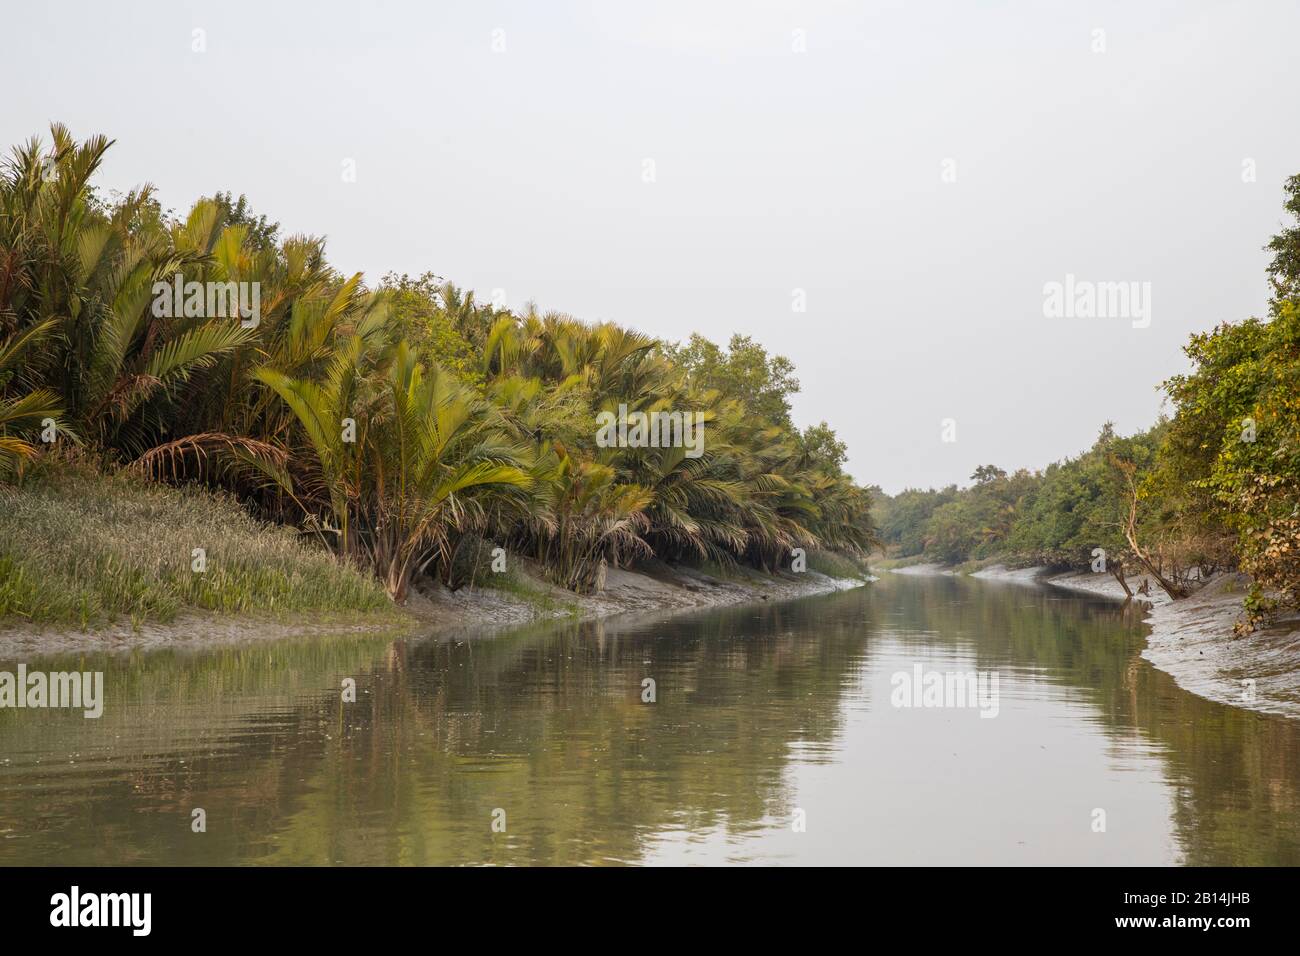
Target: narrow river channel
[775, 735]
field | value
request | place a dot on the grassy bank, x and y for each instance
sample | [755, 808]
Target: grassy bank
[83, 550]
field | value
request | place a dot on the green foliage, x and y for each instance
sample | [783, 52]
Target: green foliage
[1284, 268]
[978, 522]
[435, 318]
[1236, 435]
[21, 411]
[821, 449]
[389, 423]
[259, 233]
[743, 371]
[1056, 517]
[1077, 506]
[903, 518]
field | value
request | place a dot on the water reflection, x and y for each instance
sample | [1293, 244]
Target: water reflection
[759, 713]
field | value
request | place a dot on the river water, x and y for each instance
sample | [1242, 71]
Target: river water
[773, 737]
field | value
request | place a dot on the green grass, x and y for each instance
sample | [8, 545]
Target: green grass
[543, 600]
[472, 564]
[830, 563]
[721, 571]
[83, 550]
[836, 565]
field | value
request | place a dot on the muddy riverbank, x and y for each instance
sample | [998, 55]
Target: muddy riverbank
[527, 598]
[1192, 639]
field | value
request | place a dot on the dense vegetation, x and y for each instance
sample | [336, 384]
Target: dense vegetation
[1214, 486]
[393, 423]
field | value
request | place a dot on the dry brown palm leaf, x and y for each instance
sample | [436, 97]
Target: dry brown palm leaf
[171, 459]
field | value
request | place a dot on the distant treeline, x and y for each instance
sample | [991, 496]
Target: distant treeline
[393, 422]
[1214, 486]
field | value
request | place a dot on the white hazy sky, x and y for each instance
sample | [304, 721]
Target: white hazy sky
[775, 170]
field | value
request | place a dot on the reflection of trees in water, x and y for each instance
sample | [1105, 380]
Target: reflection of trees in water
[179, 730]
[548, 724]
[1236, 773]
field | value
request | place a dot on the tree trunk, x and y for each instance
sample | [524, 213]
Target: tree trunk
[1117, 571]
[1172, 588]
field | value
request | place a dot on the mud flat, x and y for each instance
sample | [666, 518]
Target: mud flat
[656, 590]
[1192, 638]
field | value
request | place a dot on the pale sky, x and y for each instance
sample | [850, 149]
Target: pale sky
[775, 170]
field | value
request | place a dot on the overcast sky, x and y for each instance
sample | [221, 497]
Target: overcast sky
[919, 170]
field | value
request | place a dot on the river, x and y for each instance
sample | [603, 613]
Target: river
[773, 736]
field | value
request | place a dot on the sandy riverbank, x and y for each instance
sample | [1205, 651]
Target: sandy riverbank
[655, 587]
[434, 609]
[1192, 639]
